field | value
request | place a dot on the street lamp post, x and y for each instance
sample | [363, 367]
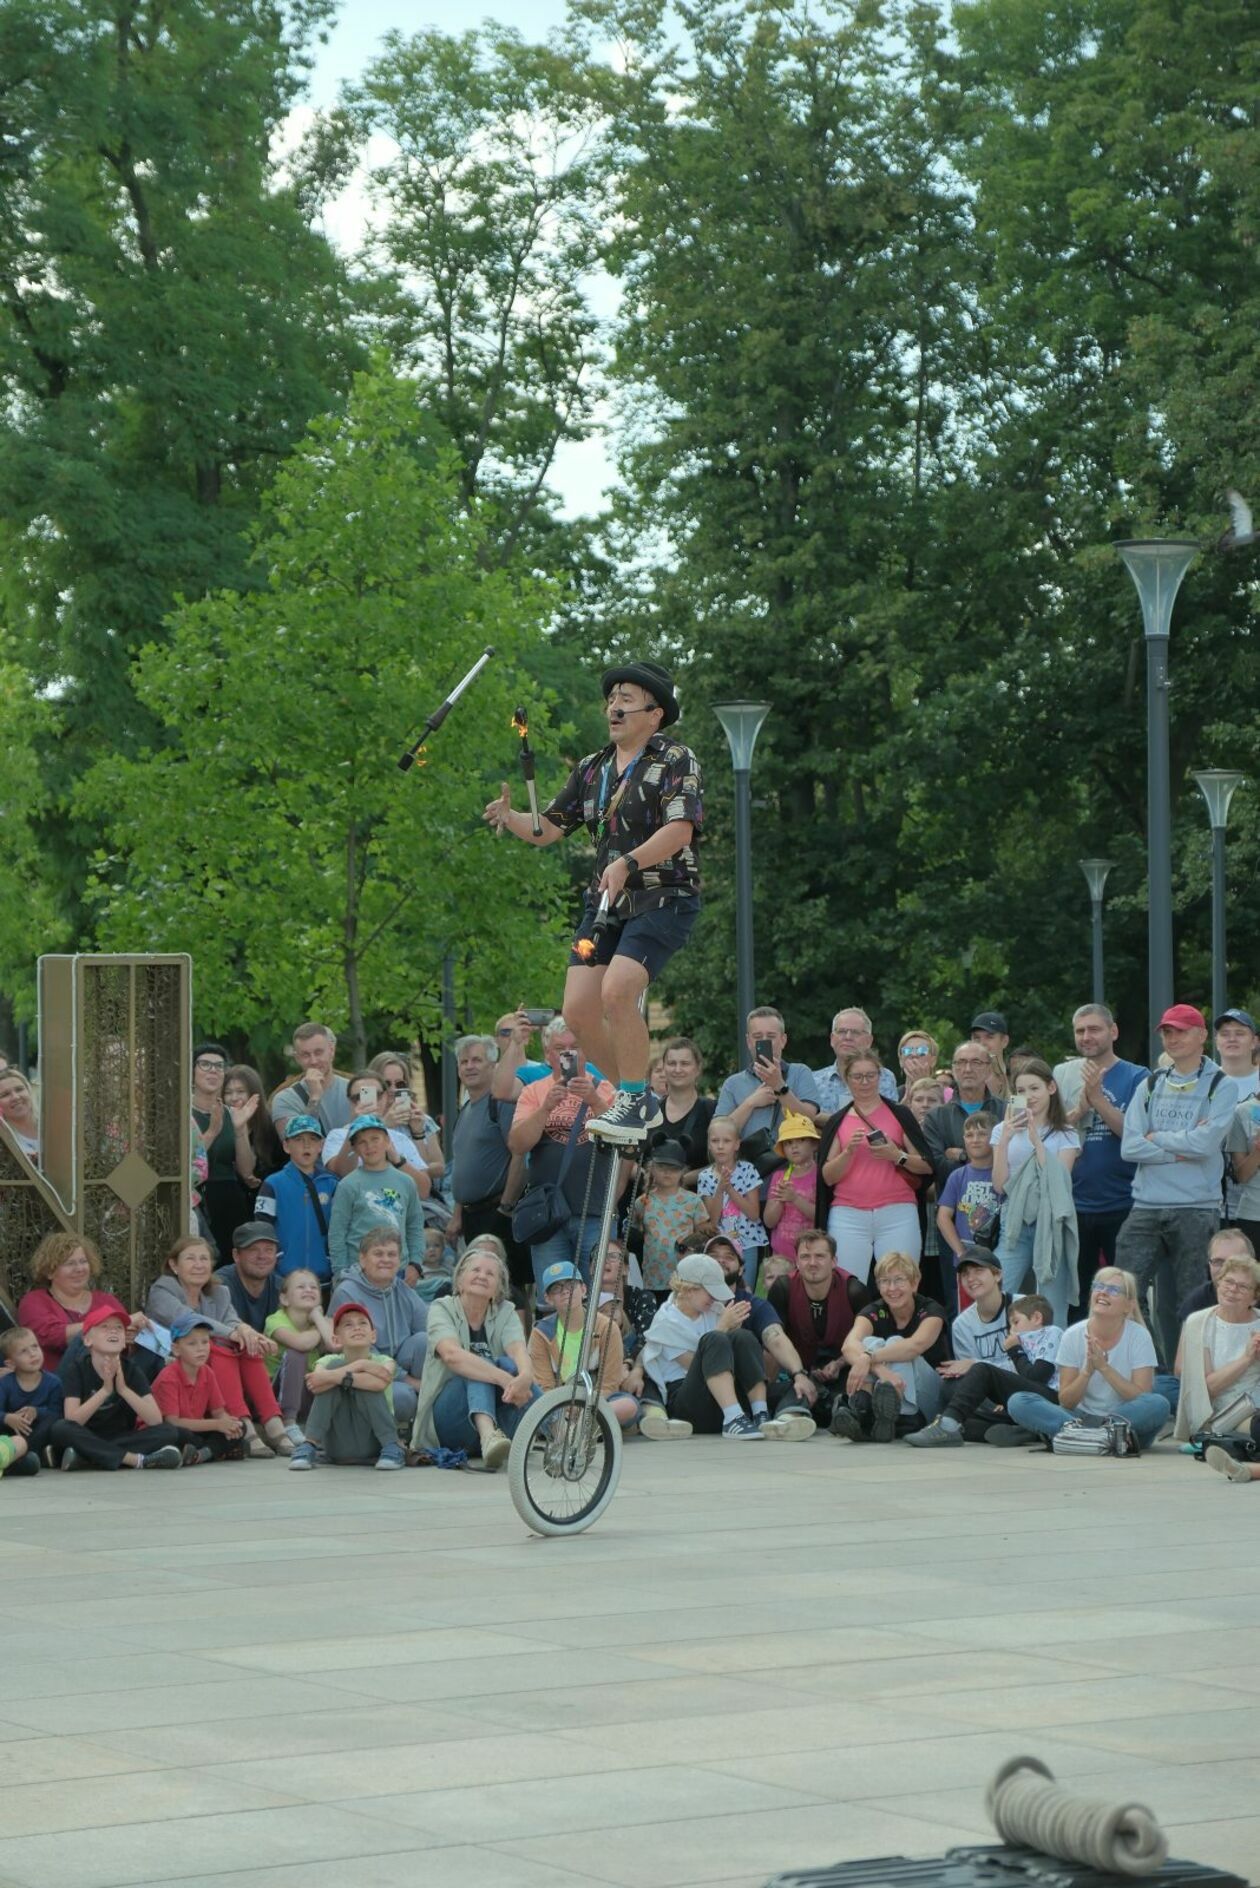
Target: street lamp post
[1096, 871]
[1157, 566]
[741, 724]
[1218, 786]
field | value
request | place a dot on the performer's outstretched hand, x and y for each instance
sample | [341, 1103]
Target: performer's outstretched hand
[496, 814]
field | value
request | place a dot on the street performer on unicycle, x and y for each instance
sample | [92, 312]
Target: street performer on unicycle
[640, 800]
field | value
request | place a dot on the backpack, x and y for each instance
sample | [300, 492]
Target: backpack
[1114, 1435]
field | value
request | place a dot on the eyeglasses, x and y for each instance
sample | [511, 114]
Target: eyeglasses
[914, 1048]
[851, 1032]
[863, 1075]
[1110, 1291]
[210, 1062]
[503, 1032]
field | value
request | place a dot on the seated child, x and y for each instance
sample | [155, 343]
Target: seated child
[300, 1331]
[432, 1279]
[555, 1341]
[31, 1400]
[672, 1218]
[1031, 1346]
[111, 1420]
[352, 1411]
[299, 1200]
[773, 1268]
[190, 1396]
[792, 1197]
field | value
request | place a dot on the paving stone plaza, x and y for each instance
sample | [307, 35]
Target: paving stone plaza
[762, 1658]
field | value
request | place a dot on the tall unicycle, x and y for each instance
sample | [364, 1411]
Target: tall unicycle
[566, 1453]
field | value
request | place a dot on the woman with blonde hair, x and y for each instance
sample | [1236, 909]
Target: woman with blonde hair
[64, 1269]
[478, 1378]
[917, 1056]
[892, 1352]
[1218, 1357]
[17, 1110]
[237, 1353]
[1106, 1368]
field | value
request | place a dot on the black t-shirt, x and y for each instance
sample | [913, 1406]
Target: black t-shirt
[691, 1129]
[884, 1324]
[477, 1343]
[251, 1311]
[115, 1417]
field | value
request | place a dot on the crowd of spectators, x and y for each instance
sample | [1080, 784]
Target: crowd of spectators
[1005, 1247]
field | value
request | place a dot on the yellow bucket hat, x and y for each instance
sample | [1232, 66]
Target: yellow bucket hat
[797, 1127]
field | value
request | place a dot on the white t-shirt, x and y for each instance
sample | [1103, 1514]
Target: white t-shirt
[974, 1338]
[1225, 1345]
[671, 1335]
[1019, 1148]
[404, 1146]
[1134, 1351]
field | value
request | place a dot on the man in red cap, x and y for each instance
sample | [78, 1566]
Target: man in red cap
[1174, 1130]
[640, 800]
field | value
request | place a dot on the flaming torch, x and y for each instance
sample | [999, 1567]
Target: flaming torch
[520, 721]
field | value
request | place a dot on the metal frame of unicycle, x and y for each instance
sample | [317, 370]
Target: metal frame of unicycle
[574, 1414]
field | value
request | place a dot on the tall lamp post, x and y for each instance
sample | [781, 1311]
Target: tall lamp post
[1218, 786]
[1096, 871]
[741, 724]
[1157, 566]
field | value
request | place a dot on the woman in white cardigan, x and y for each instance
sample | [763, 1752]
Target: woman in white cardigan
[1218, 1358]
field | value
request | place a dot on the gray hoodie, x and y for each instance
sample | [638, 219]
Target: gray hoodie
[397, 1312]
[1174, 1130]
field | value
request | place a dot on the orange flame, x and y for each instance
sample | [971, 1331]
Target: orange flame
[520, 721]
[585, 949]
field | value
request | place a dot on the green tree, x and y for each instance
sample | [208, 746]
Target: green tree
[169, 321]
[271, 834]
[29, 921]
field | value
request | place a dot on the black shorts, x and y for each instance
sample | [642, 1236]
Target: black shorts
[650, 939]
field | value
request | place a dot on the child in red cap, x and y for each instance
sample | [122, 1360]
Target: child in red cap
[111, 1419]
[351, 1417]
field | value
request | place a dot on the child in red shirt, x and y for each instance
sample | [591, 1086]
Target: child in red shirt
[189, 1395]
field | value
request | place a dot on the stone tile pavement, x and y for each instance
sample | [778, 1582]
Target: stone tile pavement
[758, 1660]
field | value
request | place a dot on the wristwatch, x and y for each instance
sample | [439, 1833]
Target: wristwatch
[903, 1159]
[783, 1090]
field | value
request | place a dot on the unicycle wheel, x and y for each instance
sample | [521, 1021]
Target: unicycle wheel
[565, 1461]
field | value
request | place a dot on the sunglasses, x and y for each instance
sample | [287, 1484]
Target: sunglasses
[1110, 1291]
[911, 1049]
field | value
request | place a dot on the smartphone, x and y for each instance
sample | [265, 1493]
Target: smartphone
[1017, 1106]
[538, 1018]
[763, 1049]
[876, 1138]
[404, 1094]
[569, 1063]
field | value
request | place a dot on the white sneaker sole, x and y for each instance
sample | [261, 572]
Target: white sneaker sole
[658, 1427]
[798, 1427]
[618, 1133]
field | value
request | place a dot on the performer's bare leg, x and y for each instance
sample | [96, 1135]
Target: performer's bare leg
[601, 1007]
[584, 1013]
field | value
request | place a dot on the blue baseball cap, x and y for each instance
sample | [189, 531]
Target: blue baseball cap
[1244, 1017]
[365, 1121]
[302, 1124]
[559, 1274]
[186, 1322]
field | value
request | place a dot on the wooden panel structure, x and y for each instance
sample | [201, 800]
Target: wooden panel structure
[115, 1078]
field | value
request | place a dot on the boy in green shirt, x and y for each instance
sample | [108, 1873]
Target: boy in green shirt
[351, 1418]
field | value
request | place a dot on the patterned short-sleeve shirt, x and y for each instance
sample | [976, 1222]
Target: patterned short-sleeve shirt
[661, 786]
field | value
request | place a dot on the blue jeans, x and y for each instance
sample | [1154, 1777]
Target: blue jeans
[576, 1244]
[410, 1357]
[461, 1396]
[1147, 1413]
[1015, 1250]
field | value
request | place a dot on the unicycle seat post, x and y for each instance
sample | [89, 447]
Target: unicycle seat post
[582, 1366]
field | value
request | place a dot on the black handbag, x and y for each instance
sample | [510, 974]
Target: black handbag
[543, 1210]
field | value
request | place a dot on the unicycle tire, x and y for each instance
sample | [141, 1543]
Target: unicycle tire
[547, 1500]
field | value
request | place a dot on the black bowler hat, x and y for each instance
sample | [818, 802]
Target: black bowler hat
[651, 677]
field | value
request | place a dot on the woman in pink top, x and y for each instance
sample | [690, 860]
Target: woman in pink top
[869, 1153]
[63, 1274]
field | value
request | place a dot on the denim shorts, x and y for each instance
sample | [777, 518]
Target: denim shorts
[650, 939]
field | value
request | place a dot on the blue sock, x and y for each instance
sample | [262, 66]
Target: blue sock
[759, 1406]
[634, 1088]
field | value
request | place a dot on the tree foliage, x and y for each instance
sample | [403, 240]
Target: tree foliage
[271, 833]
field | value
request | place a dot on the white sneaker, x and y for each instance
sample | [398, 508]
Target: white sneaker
[495, 1451]
[795, 1425]
[658, 1427]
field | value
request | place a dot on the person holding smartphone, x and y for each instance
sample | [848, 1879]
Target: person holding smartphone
[542, 1121]
[1038, 1233]
[872, 1156]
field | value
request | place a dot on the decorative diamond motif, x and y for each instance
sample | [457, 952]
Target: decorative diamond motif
[132, 1180]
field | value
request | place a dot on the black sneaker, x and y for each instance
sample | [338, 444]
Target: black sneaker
[742, 1429]
[886, 1404]
[628, 1121]
[846, 1424]
[169, 1457]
